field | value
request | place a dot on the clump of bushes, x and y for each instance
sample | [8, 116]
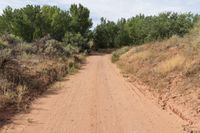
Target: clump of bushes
[27, 69]
[76, 40]
[50, 48]
[116, 54]
[10, 39]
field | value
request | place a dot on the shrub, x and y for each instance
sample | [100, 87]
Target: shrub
[2, 45]
[76, 40]
[116, 54]
[72, 49]
[55, 48]
[50, 48]
[10, 39]
[5, 55]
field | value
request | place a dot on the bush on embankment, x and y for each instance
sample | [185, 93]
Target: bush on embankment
[27, 69]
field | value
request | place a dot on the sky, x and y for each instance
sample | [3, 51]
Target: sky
[114, 9]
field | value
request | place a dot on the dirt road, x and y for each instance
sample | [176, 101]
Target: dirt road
[95, 100]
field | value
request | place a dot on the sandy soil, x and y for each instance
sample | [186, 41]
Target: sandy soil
[96, 100]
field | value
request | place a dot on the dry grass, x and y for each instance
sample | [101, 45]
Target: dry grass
[171, 68]
[143, 55]
[20, 95]
[170, 65]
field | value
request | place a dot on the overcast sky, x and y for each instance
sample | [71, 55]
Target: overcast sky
[115, 9]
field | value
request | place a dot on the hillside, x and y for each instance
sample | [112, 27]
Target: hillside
[170, 69]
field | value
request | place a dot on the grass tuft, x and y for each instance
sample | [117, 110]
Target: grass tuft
[170, 65]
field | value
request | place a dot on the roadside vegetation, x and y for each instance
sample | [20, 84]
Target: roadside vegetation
[27, 70]
[38, 46]
[117, 53]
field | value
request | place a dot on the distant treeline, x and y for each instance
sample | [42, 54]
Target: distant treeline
[73, 26]
[34, 22]
[140, 29]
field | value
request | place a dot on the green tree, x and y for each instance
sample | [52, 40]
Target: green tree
[141, 29]
[105, 34]
[122, 37]
[80, 19]
[26, 24]
[56, 21]
[6, 19]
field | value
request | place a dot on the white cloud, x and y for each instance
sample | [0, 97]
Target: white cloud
[115, 9]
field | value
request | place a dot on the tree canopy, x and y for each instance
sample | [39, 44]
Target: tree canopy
[73, 26]
[141, 29]
[34, 22]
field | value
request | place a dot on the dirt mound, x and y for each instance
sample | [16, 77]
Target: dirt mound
[171, 69]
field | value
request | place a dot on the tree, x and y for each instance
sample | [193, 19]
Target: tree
[80, 19]
[57, 21]
[6, 19]
[141, 29]
[34, 22]
[26, 24]
[105, 34]
[122, 37]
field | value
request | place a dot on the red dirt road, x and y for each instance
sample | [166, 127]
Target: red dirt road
[96, 100]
